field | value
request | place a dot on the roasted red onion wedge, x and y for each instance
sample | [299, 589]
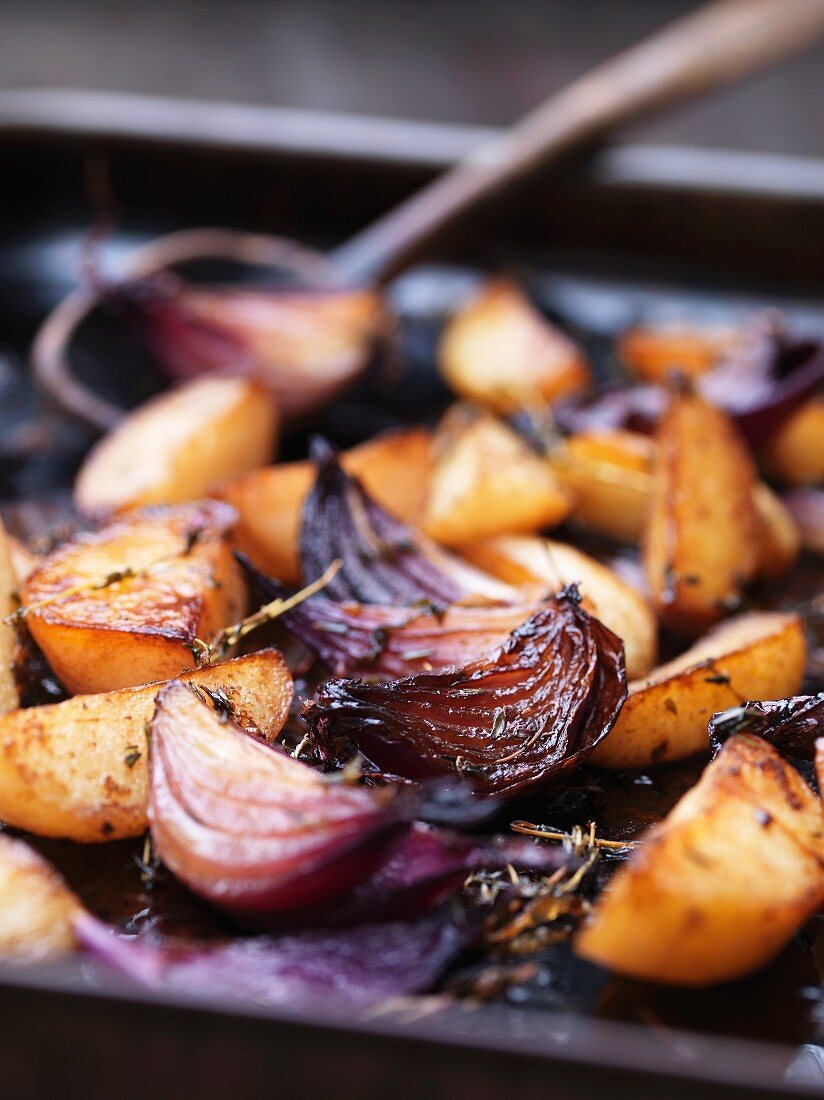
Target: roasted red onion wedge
[306, 346]
[394, 641]
[384, 561]
[524, 715]
[427, 865]
[248, 828]
[341, 968]
[760, 384]
[790, 725]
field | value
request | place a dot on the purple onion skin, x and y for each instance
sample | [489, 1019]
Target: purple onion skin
[383, 560]
[760, 385]
[322, 969]
[427, 866]
[379, 639]
[508, 722]
[790, 725]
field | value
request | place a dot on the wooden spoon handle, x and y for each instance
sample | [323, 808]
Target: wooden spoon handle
[707, 48]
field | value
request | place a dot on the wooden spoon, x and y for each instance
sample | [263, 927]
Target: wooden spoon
[715, 45]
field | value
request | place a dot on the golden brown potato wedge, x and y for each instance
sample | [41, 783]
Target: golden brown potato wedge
[36, 907]
[176, 446]
[610, 476]
[779, 537]
[9, 696]
[653, 352]
[179, 583]
[499, 351]
[718, 888]
[394, 468]
[487, 481]
[819, 763]
[545, 565]
[795, 454]
[760, 655]
[701, 533]
[78, 769]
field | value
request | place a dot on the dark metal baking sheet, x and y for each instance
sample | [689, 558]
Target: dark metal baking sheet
[618, 231]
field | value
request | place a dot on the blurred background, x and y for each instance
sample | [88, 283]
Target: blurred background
[481, 61]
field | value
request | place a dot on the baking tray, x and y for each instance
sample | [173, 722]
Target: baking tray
[616, 232]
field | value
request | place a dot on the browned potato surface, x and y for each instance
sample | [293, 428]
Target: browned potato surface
[654, 352]
[546, 566]
[795, 454]
[499, 351]
[487, 481]
[176, 446]
[779, 537]
[78, 769]
[754, 656]
[394, 468]
[718, 888]
[36, 906]
[183, 584]
[701, 531]
[610, 476]
[9, 697]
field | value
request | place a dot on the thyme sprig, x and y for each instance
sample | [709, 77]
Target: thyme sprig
[229, 637]
[117, 576]
[579, 841]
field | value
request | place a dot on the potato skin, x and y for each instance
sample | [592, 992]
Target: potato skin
[795, 454]
[36, 907]
[177, 445]
[665, 716]
[394, 468]
[140, 629]
[78, 769]
[486, 481]
[9, 695]
[610, 476]
[547, 565]
[718, 888]
[700, 541]
[500, 352]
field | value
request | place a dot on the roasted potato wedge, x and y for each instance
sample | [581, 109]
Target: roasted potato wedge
[795, 454]
[36, 907]
[501, 352]
[176, 446]
[395, 469]
[653, 352]
[610, 476]
[700, 542]
[78, 769]
[545, 565]
[718, 888]
[126, 604]
[760, 655]
[779, 537]
[487, 481]
[9, 696]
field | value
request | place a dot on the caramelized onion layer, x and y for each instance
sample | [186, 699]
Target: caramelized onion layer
[393, 641]
[790, 725]
[384, 561]
[513, 720]
[250, 829]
